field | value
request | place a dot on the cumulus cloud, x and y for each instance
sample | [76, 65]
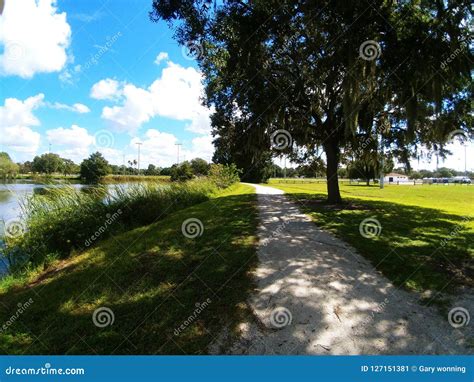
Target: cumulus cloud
[35, 38]
[159, 148]
[175, 95]
[74, 142]
[106, 89]
[16, 120]
[137, 108]
[76, 108]
[161, 57]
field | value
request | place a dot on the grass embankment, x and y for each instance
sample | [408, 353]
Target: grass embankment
[134, 178]
[427, 235]
[152, 278]
[64, 220]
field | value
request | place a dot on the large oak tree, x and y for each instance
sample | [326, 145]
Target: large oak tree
[331, 73]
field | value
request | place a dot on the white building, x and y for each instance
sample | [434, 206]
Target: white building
[393, 177]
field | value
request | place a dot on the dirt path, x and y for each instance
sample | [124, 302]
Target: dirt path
[316, 295]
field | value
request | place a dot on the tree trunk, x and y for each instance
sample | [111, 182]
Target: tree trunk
[331, 148]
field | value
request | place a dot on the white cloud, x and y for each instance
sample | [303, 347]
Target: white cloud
[73, 143]
[175, 95]
[106, 89]
[35, 38]
[202, 147]
[21, 139]
[75, 136]
[161, 57]
[136, 109]
[16, 112]
[76, 108]
[159, 148]
[16, 120]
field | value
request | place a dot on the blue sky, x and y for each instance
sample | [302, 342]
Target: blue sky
[97, 75]
[82, 76]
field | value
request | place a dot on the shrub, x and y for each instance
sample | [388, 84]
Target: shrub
[223, 175]
[182, 172]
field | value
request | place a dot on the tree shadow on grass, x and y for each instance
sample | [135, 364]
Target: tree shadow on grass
[415, 247]
[169, 294]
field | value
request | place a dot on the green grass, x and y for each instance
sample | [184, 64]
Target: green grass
[427, 236]
[151, 277]
[64, 219]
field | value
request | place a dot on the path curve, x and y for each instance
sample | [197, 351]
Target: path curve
[331, 298]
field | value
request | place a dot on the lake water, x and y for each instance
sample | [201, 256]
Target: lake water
[11, 196]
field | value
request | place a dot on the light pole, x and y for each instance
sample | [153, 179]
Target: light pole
[381, 162]
[177, 145]
[138, 144]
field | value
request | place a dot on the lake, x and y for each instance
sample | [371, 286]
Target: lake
[11, 195]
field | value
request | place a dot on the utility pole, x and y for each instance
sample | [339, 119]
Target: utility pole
[138, 144]
[177, 145]
[465, 159]
[284, 170]
[381, 181]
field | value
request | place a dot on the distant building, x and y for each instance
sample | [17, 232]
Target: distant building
[393, 177]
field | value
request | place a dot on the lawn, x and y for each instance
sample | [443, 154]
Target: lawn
[168, 294]
[427, 232]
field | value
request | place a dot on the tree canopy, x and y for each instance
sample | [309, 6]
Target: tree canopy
[288, 76]
[94, 168]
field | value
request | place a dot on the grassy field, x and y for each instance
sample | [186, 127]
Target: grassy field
[427, 232]
[169, 294]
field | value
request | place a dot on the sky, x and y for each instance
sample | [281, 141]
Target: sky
[83, 76]
[78, 77]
